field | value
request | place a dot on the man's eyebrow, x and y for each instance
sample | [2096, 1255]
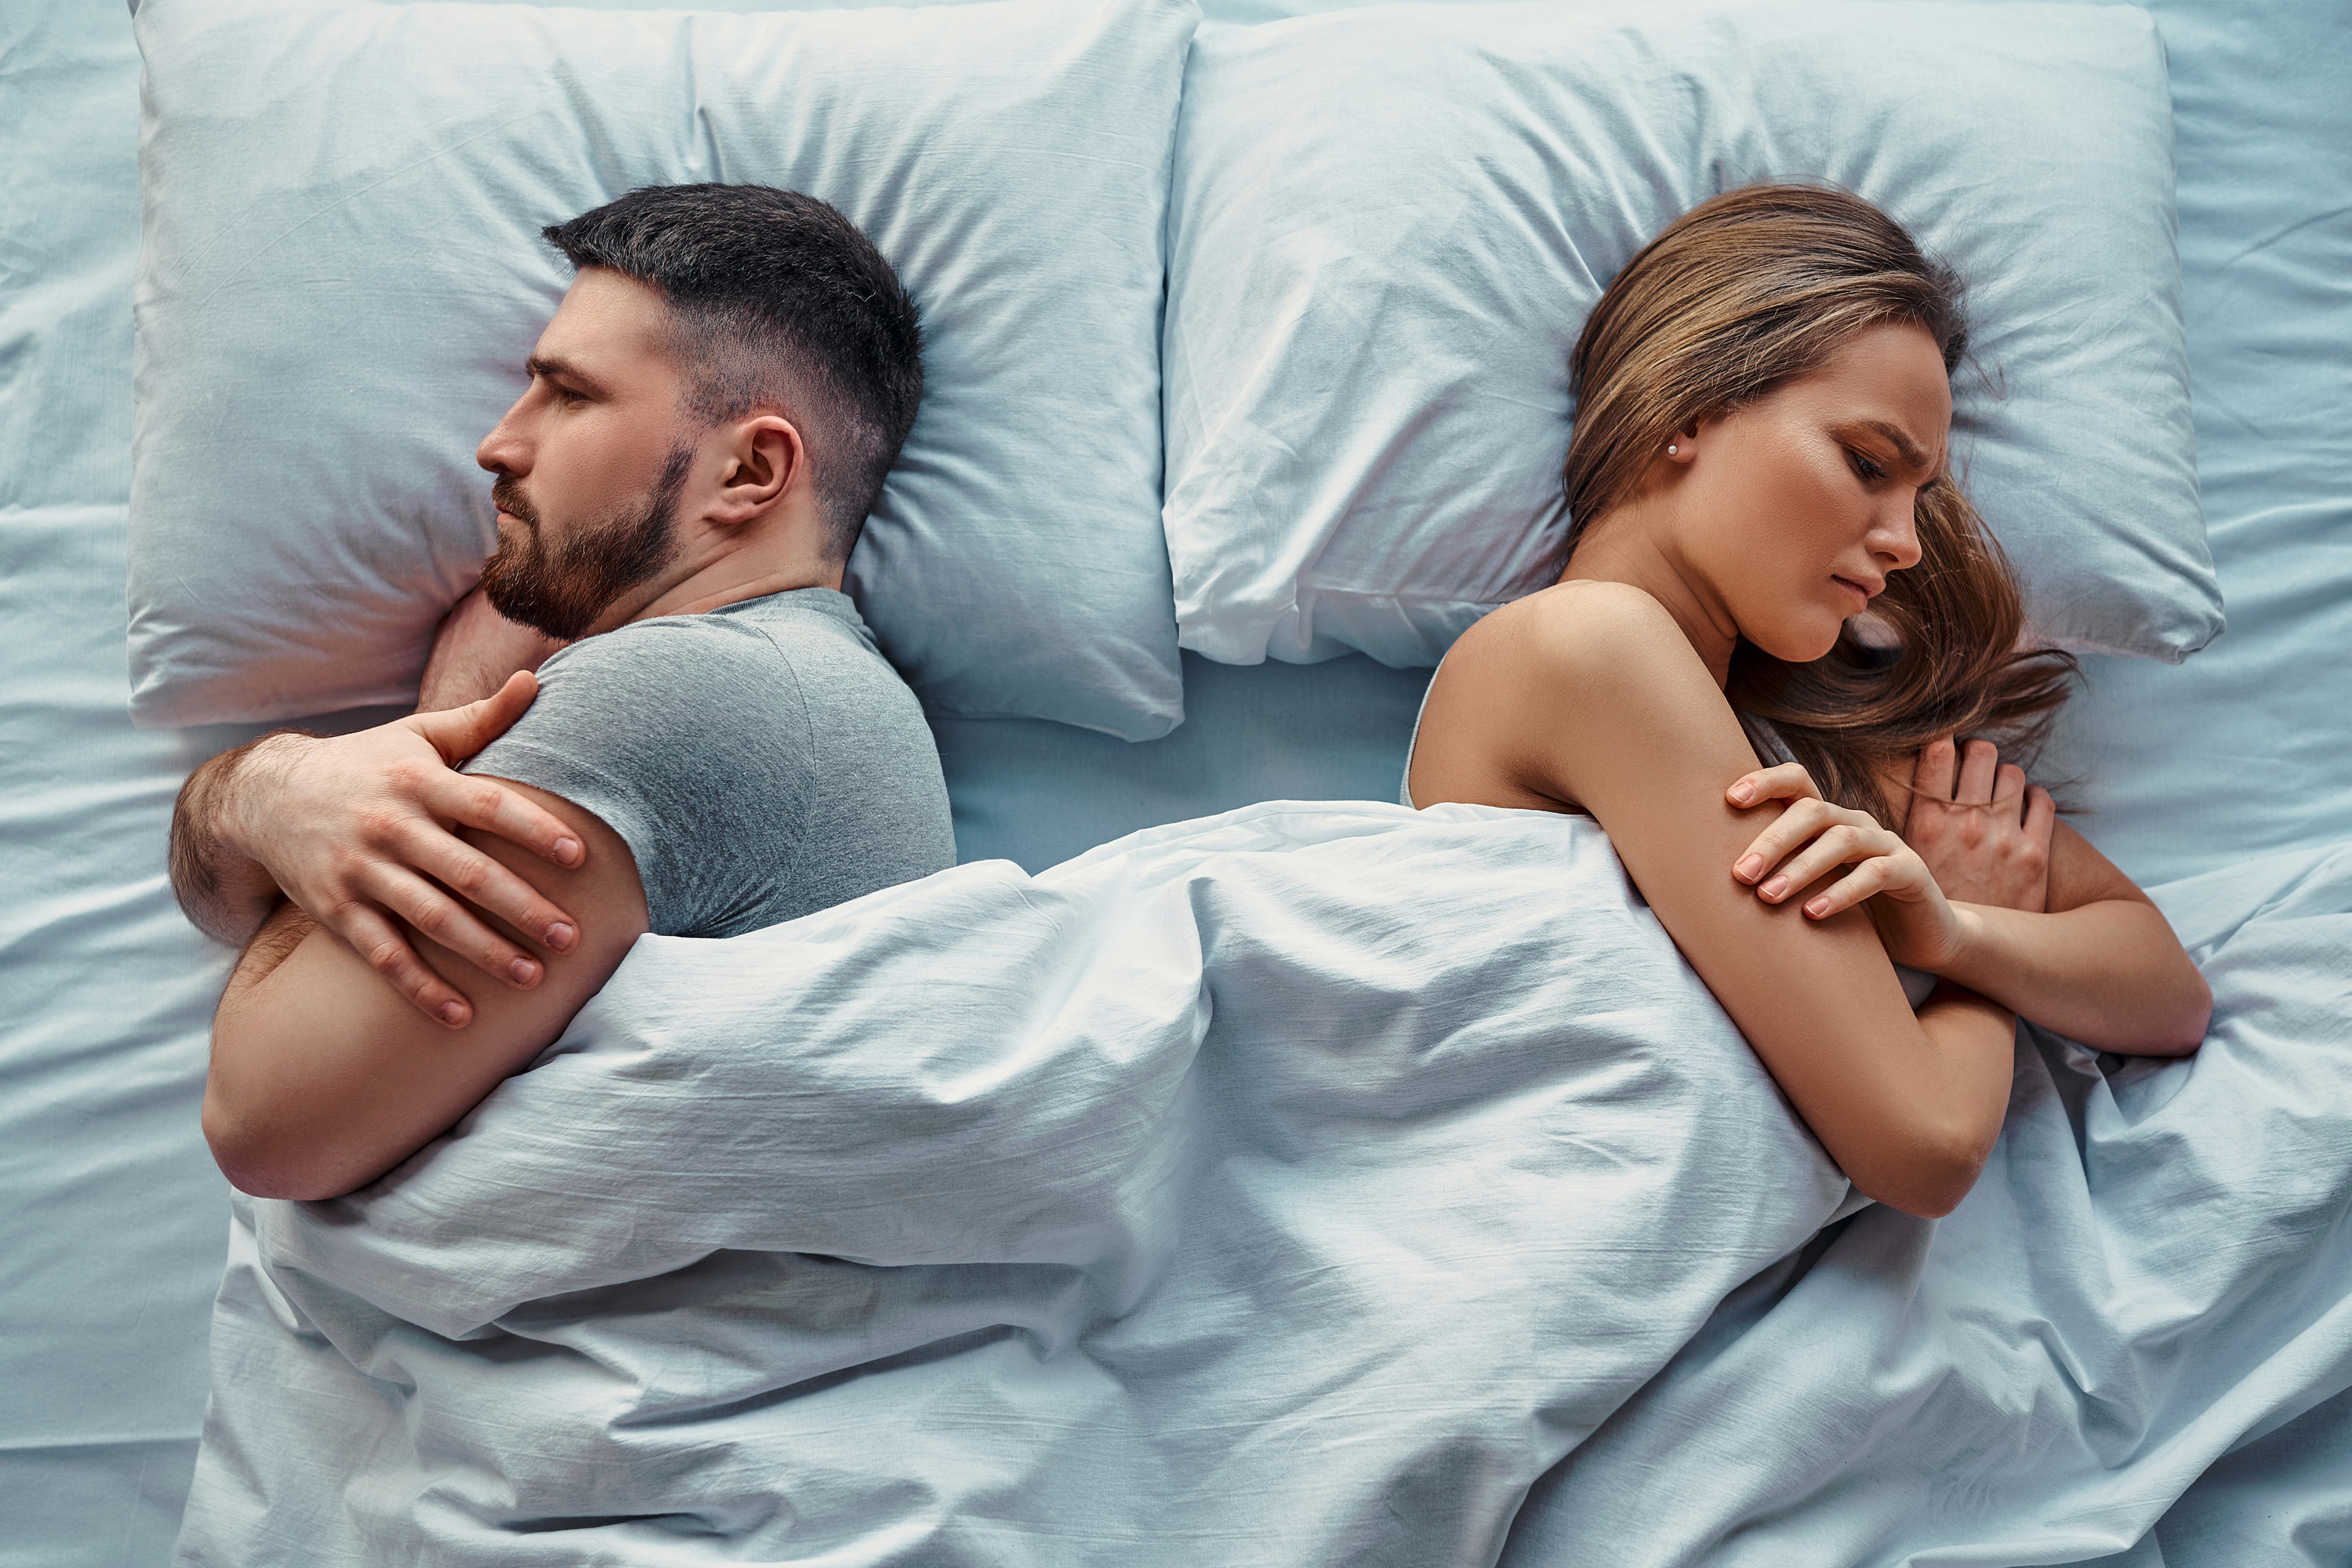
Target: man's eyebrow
[550, 369]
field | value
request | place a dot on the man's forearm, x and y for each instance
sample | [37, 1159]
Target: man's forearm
[226, 893]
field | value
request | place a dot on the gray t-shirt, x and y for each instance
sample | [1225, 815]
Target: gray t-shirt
[760, 762]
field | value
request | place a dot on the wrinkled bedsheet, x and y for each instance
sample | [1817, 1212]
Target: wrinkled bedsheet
[1312, 1184]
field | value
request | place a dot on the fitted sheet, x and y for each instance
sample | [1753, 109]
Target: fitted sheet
[110, 1214]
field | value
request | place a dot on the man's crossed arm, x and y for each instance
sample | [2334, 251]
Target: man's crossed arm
[323, 1077]
[337, 1050]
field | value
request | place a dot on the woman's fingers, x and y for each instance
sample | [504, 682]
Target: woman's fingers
[380, 943]
[1787, 781]
[2009, 795]
[1979, 759]
[1868, 880]
[1938, 765]
[2040, 818]
[435, 914]
[1838, 846]
[1800, 822]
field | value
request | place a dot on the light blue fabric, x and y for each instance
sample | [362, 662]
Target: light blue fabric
[1268, 1189]
[336, 296]
[1372, 304]
[1295, 1185]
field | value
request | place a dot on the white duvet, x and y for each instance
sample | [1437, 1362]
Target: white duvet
[1313, 1183]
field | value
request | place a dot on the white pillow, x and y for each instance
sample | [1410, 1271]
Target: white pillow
[1389, 225]
[342, 275]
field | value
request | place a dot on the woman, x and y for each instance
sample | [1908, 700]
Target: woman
[1766, 543]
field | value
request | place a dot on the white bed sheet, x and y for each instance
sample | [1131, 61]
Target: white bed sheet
[111, 1215]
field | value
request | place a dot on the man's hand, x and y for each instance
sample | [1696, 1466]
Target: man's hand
[357, 830]
[1981, 830]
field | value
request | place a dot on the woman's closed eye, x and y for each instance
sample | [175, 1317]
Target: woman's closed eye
[1871, 472]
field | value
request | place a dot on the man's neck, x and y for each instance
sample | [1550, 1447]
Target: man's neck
[730, 580]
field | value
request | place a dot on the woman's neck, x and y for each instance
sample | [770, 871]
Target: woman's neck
[1617, 548]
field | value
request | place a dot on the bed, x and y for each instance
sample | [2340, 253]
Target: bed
[2237, 757]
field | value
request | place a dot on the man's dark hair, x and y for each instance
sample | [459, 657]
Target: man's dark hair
[779, 302]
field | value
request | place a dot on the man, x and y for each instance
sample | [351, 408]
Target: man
[715, 744]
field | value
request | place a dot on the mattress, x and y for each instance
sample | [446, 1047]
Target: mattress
[113, 1220]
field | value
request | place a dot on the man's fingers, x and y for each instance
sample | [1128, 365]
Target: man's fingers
[1937, 766]
[483, 882]
[435, 914]
[458, 732]
[380, 943]
[486, 803]
[1978, 762]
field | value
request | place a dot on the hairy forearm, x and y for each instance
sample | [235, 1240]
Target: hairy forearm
[226, 894]
[2110, 975]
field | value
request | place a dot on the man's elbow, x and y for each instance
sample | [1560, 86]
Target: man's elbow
[269, 1164]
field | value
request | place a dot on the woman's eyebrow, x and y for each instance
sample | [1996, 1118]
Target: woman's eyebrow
[1905, 448]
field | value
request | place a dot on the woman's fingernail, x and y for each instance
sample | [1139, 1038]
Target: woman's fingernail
[1750, 867]
[568, 851]
[560, 937]
[451, 1013]
[522, 971]
[1742, 792]
[1818, 907]
[1775, 888]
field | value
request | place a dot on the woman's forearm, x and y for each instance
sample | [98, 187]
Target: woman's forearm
[2110, 975]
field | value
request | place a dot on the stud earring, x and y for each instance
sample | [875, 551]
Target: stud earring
[1672, 448]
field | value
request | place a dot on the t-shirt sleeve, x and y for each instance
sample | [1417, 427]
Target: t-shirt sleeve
[691, 741]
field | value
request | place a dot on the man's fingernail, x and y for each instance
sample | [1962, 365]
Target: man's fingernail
[1750, 867]
[452, 1013]
[1741, 793]
[568, 851]
[1818, 907]
[1775, 888]
[522, 971]
[560, 937]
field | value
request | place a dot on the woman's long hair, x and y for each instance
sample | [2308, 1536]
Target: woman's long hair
[1738, 295]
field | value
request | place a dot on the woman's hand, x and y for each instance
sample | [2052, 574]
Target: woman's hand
[1982, 831]
[1813, 838]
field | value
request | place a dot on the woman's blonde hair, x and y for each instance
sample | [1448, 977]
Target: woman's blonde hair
[1738, 295]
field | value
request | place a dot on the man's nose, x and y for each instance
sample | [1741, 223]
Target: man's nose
[503, 450]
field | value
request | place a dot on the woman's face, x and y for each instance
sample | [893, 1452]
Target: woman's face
[1797, 507]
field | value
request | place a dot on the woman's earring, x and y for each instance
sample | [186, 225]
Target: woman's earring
[1672, 448]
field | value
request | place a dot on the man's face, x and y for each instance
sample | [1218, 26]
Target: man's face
[590, 461]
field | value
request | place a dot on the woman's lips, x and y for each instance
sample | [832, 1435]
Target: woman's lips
[1861, 594]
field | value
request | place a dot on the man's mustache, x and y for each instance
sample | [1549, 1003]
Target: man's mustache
[507, 496]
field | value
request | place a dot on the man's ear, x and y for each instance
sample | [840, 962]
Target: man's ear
[765, 460]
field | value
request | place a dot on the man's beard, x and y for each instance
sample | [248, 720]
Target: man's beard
[562, 591]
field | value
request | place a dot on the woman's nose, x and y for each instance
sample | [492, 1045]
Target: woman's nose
[1896, 537]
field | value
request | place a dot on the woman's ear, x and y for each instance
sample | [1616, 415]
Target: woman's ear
[766, 459]
[1682, 446]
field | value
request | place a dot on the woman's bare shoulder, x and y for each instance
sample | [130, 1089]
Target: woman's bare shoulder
[1609, 639]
